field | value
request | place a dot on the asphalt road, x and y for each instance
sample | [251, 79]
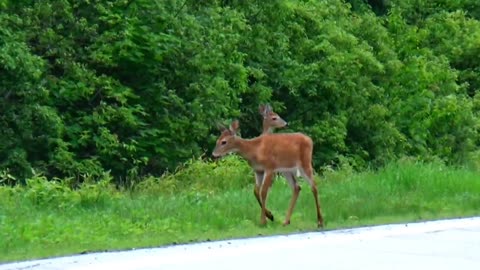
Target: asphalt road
[445, 244]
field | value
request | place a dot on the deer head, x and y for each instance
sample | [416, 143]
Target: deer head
[271, 120]
[226, 142]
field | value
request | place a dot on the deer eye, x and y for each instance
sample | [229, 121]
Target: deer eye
[224, 142]
[274, 118]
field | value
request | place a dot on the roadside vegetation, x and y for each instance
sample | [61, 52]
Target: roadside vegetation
[211, 201]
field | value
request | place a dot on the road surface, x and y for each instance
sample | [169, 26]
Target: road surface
[445, 244]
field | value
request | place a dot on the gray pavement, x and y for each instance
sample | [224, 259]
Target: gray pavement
[445, 244]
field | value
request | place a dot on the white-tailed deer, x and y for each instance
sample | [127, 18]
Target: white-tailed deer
[271, 121]
[270, 153]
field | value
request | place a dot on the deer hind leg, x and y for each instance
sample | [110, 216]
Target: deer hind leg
[290, 176]
[256, 191]
[267, 182]
[307, 172]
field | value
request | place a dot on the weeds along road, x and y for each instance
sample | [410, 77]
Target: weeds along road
[445, 244]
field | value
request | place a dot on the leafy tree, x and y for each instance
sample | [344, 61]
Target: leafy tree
[135, 87]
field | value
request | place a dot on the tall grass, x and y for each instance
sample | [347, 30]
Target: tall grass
[207, 201]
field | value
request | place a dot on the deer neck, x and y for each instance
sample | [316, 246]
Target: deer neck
[267, 129]
[246, 148]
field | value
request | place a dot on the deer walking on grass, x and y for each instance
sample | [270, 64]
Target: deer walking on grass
[271, 121]
[268, 154]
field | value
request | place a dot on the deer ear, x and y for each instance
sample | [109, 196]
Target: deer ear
[268, 108]
[265, 110]
[261, 109]
[234, 126]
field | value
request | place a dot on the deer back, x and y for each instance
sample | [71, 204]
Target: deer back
[278, 152]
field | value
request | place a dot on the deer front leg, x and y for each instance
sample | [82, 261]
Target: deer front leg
[267, 182]
[258, 184]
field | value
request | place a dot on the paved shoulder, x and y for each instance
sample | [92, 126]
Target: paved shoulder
[445, 244]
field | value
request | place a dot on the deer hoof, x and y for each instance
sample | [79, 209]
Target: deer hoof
[269, 215]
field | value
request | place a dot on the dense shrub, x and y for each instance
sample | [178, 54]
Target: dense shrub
[134, 88]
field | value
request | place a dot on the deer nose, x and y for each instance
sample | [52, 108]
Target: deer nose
[215, 157]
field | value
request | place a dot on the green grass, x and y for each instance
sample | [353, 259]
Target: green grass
[215, 201]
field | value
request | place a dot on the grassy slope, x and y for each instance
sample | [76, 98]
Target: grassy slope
[32, 228]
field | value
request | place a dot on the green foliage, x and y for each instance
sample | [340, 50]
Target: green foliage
[134, 88]
[42, 192]
[416, 11]
[62, 194]
[48, 218]
[200, 176]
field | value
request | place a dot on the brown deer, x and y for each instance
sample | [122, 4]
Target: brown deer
[271, 120]
[270, 153]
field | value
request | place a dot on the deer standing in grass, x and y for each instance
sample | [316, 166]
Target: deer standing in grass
[271, 121]
[271, 153]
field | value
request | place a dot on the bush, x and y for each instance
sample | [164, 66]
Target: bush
[231, 172]
[134, 88]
